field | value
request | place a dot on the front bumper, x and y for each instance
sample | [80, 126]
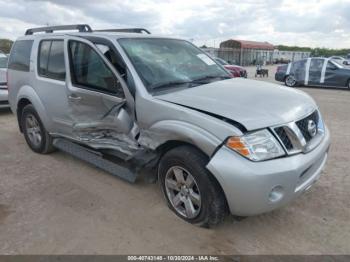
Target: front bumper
[4, 97]
[279, 76]
[248, 185]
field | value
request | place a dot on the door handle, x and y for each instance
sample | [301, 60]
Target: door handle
[74, 97]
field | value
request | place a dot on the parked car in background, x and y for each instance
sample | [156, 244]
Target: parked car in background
[235, 70]
[281, 61]
[3, 81]
[340, 60]
[315, 71]
[125, 102]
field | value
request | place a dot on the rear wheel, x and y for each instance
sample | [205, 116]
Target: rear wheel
[191, 191]
[37, 138]
[290, 81]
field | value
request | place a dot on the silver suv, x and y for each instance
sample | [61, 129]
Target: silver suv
[132, 103]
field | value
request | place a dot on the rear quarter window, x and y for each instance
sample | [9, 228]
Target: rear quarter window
[20, 55]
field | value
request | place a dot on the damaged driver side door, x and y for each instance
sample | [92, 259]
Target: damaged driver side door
[100, 107]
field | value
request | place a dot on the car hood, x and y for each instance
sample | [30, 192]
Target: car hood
[254, 104]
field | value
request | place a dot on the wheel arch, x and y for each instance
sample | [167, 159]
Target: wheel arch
[20, 106]
[27, 95]
[212, 178]
[172, 144]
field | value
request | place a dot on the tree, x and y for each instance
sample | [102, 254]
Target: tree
[5, 45]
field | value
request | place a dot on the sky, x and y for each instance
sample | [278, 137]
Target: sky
[314, 23]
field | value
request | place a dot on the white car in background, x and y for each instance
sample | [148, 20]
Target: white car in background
[3, 81]
[340, 60]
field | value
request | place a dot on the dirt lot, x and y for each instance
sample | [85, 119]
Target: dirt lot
[55, 204]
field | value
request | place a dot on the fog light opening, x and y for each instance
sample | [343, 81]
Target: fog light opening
[276, 194]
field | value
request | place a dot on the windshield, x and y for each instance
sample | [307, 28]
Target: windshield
[171, 64]
[3, 61]
[337, 64]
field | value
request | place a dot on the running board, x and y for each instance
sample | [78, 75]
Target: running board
[94, 158]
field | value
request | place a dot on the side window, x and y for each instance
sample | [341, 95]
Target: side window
[44, 51]
[56, 67]
[299, 64]
[113, 58]
[88, 70]
[20, 55]
[316, 64]
[51, 60]
[331, 66]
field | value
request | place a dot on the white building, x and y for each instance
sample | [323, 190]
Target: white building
[289, 56]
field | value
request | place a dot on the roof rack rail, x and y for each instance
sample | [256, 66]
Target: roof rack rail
[51, 29]
[126, 30]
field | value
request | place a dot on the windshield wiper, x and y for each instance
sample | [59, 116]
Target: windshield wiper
[191, 83]
[206, 78]
[170, 84]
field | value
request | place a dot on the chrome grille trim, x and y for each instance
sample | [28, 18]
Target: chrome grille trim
[299, 141]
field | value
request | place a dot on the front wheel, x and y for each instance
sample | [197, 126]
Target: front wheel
[290, 81]
[191, 191]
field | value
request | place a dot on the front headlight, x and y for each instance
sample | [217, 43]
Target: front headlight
[256, 146]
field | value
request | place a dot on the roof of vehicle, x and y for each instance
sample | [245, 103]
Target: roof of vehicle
[247, 44]
[101, 34]
[84, 31]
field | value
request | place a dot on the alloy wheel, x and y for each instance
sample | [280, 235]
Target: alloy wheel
[33, 130]
[290, 81]
[183, 192]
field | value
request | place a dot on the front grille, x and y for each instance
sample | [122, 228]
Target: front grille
[303, 124]
[295, 136]
[4, 103]
[281, 133]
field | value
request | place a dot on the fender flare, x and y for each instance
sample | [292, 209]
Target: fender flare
[27, 92]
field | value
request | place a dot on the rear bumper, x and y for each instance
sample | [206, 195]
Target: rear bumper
[4, 98]
[252, 188]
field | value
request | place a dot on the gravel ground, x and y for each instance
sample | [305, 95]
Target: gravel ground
[55, 204]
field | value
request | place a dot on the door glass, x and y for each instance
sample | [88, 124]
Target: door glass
[316, 64]
[89, 70]
[56, 67]
[44, 50]
[114, 59]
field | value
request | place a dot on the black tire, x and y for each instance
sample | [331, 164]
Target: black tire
[213, 208]
[348, 84]
[45, 145]
[289, 83]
